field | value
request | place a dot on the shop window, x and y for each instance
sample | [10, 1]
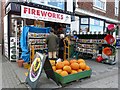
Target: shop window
[84, 28]
[100, 4]
[84, 25]
[84, 20]
[60, 4]
[96, 25]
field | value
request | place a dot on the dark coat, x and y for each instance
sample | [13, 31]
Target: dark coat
[61, 44]
[52, 42]
[61, 48]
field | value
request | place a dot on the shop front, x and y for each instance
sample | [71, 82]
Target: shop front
[92, 39]
[20, 15]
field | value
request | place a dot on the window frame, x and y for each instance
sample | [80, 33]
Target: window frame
[84, 24]
[89, 24]
[95, 6]
[116, 7]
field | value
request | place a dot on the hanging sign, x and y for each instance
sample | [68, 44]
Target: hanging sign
[40, 14]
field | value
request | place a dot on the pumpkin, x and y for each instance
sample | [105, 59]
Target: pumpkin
[63, 73]
[82, 66]
[79, 70]
[81, 61]
[87, 68]
[52, 62]
[73, 71]
[54, 68]
[59, 65]
[75, 66]
[73, 61]
[58, 71]
[67, 68]
[66, 62]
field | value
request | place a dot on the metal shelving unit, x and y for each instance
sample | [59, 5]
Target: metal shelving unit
[36, 42]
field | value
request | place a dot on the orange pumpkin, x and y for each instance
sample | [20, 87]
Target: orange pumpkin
[66, 62]
[54, 68]
[59, 65]
[52, 62]
[82, 66]
[73, 71]
[58, 71]
[64, 73]
[73, 61]
[79, 70]
[87, 68]
[75, 66]
[67, 68]
[81, 61]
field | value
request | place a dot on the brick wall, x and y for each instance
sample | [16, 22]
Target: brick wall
[110, 9]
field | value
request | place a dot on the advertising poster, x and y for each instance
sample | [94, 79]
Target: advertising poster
[35, 70]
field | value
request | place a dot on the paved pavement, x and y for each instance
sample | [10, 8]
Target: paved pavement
[103, 76]
[9, 77]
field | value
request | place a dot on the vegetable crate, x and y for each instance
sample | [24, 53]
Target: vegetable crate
[72, 77]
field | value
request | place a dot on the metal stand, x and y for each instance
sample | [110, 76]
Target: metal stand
[66, 48]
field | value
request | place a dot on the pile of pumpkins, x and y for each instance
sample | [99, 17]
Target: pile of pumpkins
[70, 67]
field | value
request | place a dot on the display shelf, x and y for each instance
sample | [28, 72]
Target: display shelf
[86, 52]
[39, 44]
[89, 44]
[41, 49]
[37, 41]
[37, 38]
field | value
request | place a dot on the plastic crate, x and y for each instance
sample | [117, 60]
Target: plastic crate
[72, 77]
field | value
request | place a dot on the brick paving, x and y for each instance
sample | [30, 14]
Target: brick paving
[9, 77]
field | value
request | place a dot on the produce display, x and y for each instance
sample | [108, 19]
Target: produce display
[70, 67]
